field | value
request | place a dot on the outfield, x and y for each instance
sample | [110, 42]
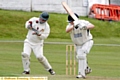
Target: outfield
[103, 59]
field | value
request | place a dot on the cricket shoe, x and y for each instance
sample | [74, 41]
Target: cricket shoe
[26, 72]
[88, 70]
[80, 76]
[51, 72]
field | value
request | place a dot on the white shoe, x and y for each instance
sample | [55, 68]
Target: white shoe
[80, 76]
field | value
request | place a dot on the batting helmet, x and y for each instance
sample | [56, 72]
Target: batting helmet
[44, 15]
[70, 19]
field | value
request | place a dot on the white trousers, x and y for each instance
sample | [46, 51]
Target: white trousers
[82, 52]
[38, 51]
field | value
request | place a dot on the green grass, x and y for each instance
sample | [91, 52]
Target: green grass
[104, 60]
[12, 25]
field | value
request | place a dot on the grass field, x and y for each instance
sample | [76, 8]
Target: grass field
[103, 59]
[12, 24]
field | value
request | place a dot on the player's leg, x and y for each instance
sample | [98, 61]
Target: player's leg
[26, 58]
[38, 50]
[87, 46]
[81, 56]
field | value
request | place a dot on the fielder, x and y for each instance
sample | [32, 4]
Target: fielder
[38, 30]
[80, 34]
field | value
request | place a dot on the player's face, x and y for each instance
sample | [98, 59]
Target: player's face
[42, 21]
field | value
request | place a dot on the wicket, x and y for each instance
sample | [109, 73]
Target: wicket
[70, 60]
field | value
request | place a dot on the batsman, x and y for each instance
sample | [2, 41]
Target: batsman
[82, 38]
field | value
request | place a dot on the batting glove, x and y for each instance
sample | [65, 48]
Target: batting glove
[77, 25]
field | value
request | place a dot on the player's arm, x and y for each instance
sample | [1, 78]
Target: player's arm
[30, 27]
[83, 25]
[29, 23]
[68, 29]
[90, 26]
[44, 33]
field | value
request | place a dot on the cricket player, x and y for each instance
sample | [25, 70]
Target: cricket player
[38, 30]
[83, 41]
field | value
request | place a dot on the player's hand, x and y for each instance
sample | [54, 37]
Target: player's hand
[36, 32]
[76, 23]
[29, 25]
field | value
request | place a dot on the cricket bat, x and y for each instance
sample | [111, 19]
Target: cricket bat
[69, 11]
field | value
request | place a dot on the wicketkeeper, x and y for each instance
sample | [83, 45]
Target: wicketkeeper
[38, 30]
[80, 34]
